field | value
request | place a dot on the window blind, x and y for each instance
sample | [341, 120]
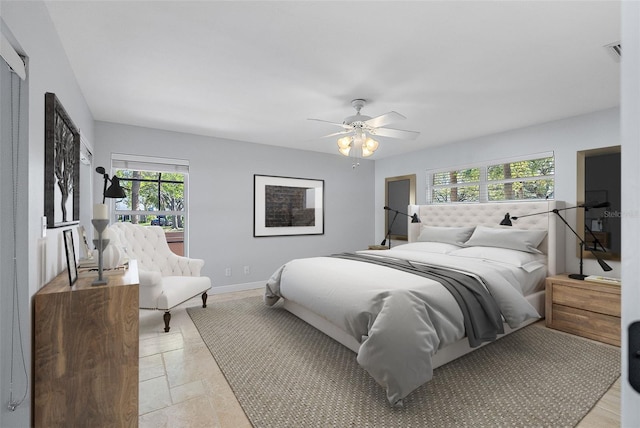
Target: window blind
[149, 163]
[528, 177]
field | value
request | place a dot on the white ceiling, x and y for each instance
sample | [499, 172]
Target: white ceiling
[257, 70]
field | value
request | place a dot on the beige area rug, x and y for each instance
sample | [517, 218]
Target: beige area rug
[285, 373]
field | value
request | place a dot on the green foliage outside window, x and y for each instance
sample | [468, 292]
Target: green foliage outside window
[153, 191]
[470, 175]
[449, 192]
[519, 180]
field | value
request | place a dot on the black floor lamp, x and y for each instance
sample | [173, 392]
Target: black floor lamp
[414, 219]
[506, 221]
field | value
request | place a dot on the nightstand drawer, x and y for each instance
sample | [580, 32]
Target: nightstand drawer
[584, 308]
[594, 300]
[597, 326]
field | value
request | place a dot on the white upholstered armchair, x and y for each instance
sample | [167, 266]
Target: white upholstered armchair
[166, 279]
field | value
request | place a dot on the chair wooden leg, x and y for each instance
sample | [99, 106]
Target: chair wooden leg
[167, 319]
[204, 299]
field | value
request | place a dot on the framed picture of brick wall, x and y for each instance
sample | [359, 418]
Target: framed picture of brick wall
[284, 206]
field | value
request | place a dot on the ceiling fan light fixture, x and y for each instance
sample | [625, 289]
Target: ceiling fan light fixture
[344, 145]
[361, 129]
[345, 152]
[371, 144]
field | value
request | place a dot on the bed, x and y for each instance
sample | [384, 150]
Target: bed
[460, 281]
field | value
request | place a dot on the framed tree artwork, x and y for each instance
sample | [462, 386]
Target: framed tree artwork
[61, 165]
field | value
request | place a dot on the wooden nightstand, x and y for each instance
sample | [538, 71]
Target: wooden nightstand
[378, 247]
[587, 309]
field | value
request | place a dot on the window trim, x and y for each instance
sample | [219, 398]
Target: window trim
[121, 161]
[483, 183]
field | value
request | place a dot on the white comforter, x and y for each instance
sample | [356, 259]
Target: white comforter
[400, 319]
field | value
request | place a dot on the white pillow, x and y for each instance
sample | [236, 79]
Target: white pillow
[527, 261]
[449, 235]
[515, 239]
[429, 247]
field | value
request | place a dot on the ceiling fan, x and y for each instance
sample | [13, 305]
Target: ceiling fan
[358, 130]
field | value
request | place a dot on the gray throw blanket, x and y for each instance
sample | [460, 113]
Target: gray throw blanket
[482, 317]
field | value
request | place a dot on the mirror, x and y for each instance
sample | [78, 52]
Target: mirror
[599, 181]
[400, 192]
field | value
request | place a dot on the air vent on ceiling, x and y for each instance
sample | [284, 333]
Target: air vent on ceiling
[615, 50]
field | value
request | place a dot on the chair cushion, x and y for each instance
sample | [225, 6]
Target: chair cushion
[178, 289]
[150, 288]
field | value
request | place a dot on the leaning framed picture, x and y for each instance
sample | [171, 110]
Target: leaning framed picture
[70, 251]
[285, 206]
[61, 165]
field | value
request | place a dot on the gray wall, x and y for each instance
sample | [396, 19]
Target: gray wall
[221, 198]
[563, 137]
[40, 259]
[223, 170]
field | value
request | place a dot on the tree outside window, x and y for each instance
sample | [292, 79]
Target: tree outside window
[456, 186]
[154, 199]
[527, 179]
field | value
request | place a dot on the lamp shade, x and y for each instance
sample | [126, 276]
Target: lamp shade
[506, 221]
[368, 147]
[115, 190]
[363, 146]
[344, 145]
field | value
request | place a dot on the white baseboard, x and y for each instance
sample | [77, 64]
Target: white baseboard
[236, 287]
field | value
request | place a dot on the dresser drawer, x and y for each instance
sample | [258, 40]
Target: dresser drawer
[594, 300]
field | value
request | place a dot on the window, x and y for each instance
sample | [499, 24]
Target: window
[522, 179]
[156, 196]
[461, 185]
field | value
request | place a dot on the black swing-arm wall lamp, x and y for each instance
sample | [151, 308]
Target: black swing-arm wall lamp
[114, 190]
[414, 219]
[506, 221]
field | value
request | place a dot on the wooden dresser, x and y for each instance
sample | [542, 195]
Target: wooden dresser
[584, 308]
[85, 352]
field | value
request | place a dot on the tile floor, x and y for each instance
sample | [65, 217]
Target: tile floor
[180, 382]
[182, 386]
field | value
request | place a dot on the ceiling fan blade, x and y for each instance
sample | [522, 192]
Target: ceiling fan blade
[384, 119]
[396, 133]
[345, 132]
[333, 123]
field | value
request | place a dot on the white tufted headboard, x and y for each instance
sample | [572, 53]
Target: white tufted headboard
[490, 214]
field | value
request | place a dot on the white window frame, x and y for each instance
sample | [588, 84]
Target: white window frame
[121, 161]
[483, 181]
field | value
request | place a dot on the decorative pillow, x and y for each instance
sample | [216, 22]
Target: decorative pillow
[521, 259]
[515, 239]
[429, 247]
[449, 235]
